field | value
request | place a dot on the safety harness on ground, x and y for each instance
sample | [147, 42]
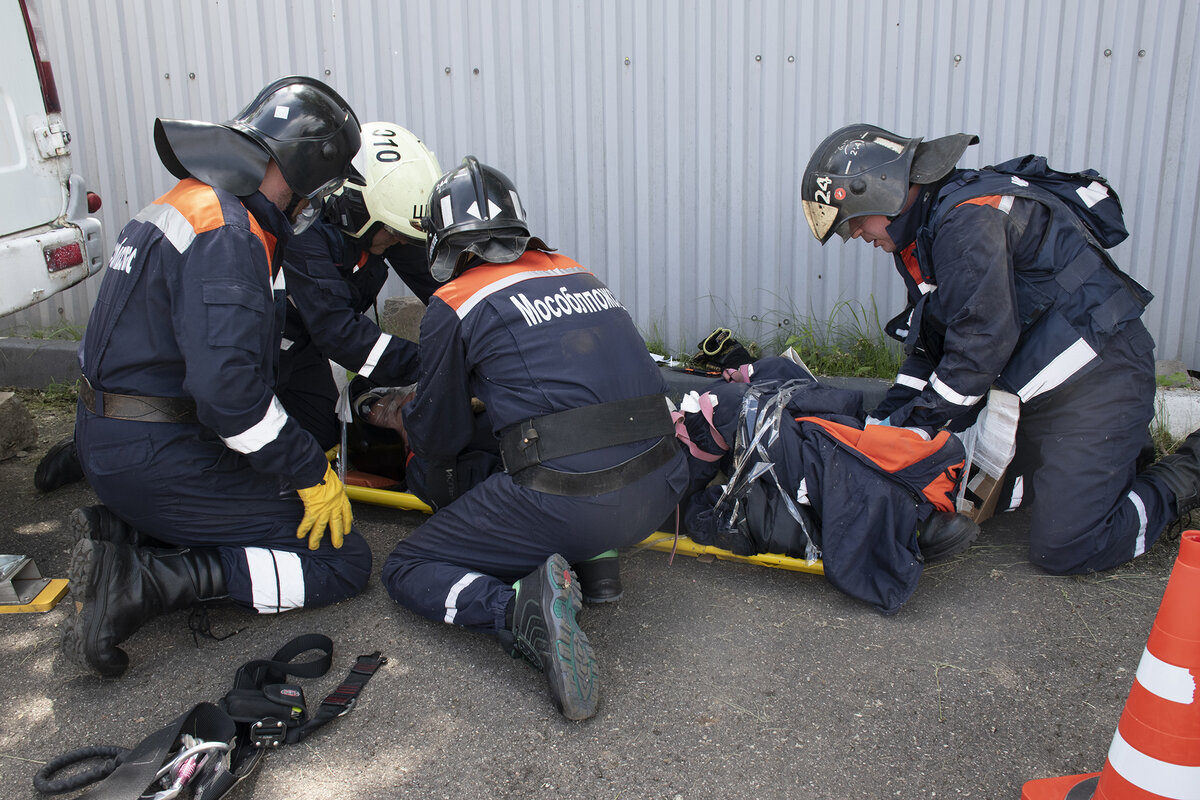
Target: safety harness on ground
[208, 749]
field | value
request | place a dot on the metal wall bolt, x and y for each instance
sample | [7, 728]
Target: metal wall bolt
[758, 58]
[958, 59]
[328, 72]
[475, 71]
[447, 70]
[1141, 53]
[791, 59]
[627, 61]
[192, 75]
[1107, 53]
[167, 75]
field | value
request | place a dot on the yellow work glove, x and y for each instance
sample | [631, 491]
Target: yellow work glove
[325, 504]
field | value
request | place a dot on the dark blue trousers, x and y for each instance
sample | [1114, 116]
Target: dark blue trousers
[1076, 464]
[180, 488]
[459, 566]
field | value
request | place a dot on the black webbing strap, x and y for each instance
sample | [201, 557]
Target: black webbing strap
[591, 484]
[342, 699]
[256, 674]
[581, 430]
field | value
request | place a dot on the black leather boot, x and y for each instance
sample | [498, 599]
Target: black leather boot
[58, 467]
[1180, 472]
[117, 588]
[945, 534]
[100, 524]
[600, 578]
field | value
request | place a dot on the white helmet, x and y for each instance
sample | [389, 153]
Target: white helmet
[394, 173]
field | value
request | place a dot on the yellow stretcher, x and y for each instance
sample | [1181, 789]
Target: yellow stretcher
[661, 541]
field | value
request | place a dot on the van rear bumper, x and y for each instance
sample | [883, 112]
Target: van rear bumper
[31, 263]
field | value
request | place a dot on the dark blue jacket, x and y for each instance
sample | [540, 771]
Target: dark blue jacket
[191, 305]
[331, 282]
[1005, 287]
[533, 337]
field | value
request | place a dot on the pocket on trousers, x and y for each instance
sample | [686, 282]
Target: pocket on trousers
[110, 458]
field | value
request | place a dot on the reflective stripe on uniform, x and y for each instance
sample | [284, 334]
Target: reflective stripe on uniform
[911, 381]
[1018, 493]
[174, 225]
[951, 396]
[455, 591]
[508, 280]
[276, 580]
[1139, 544]
[372, 361]
[262, 433]
[1064, 365]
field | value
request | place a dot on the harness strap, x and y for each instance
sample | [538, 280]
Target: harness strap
[139, 408]
[580, 430]
[342, 699]
[590, 484]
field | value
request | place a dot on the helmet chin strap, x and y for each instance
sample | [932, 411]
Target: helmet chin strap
[290, 212]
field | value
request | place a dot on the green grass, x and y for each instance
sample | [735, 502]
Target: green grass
[56, 397]
[64, 331]
[851, 342]
[1174, 380]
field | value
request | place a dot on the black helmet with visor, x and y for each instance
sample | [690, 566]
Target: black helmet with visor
[861, 170]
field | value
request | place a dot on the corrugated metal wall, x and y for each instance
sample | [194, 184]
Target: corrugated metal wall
[660, 142]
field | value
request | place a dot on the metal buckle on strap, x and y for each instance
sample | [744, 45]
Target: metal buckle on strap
[269, 732]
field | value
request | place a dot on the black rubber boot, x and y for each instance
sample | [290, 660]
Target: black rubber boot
[600, 578]
[101, 525]
[58, 467]
[945, 534]
[546, 633]
[118, 588]
[1180, 472]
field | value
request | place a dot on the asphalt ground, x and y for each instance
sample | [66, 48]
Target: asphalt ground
[719, 679]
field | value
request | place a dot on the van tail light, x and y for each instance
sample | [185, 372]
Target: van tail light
[93, 202]
[45, 74]
[65, 257]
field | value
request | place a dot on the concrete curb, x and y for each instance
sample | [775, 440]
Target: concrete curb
[37, 363]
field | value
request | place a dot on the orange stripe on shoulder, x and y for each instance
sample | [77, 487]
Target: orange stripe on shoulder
[197, 202]
[992, 200]
[477, 279]
[464, 287]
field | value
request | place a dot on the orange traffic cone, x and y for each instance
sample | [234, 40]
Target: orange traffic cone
[1155, 752]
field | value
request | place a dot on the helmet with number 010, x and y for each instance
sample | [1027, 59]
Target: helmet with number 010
[474, 211]
[861, 170]
[394, 172]
[301, 123]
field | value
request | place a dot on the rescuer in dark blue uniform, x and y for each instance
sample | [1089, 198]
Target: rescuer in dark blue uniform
[336, 269]
[1008, 284]
[178, 429]
[580, 414]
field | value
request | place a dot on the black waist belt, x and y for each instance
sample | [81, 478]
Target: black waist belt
[139, 408]
[580, 430]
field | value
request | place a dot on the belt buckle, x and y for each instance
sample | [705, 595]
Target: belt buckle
[268, 732]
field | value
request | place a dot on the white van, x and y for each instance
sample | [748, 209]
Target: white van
[47, 240]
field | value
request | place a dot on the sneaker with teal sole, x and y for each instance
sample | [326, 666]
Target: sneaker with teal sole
[545, 631]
